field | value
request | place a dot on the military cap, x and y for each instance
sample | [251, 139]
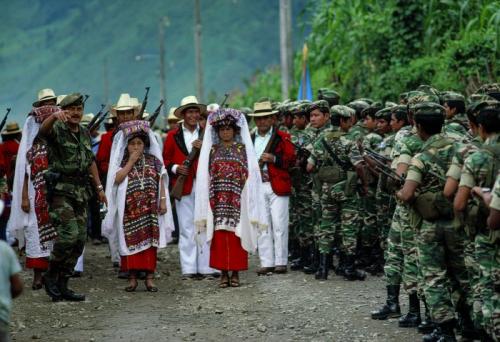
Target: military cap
[301, 108]
[328, 94]
[384, 113]
[403, 97]
[418, 96]
[428, 109]
[343, 111]
[399, 109]
[322, 105]
[372, 109]
[358, 105]
[478, 107]
[388, 104]
[74, 99]
[491, 89]
[446, 96]
[475, 98]
[366, 99]
[428, 89]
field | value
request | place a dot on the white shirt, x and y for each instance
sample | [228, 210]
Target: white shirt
[189, 137]
[261, 142]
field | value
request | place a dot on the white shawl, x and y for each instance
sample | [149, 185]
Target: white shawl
[252, 211]
[112, 226]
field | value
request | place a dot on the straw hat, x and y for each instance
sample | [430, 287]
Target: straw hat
[125, 102]
[187, 102]
[44, 95]
[60, 98]
[11, 128]
[171, 116]
[86, 119]
[262, 109]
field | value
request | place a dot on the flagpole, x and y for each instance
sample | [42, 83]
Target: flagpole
[304, 71]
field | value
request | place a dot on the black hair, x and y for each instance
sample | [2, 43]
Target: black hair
[335, 120]
[457, 104]
[401, 115]
[431, 124]
[141, 135]
[234, 126]
[8, 137]
[489, 118]
[343, 118]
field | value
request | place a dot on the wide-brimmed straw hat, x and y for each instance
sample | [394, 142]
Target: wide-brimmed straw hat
[125, 102]
[263, 109]
[86, 119]
[11, 128]
[188, 102]
[171, 116]
[44, 95]
[60, 98]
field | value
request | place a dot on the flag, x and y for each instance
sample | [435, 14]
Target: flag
[305, 89]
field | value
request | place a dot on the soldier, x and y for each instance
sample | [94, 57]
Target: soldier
[320, 124]
[455, 125]
[337, 159]
[440, 247]
[330, 96]
[480, 170]
[71, 162]
[357, 130]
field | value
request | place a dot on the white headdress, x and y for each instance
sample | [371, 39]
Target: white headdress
[252, 211]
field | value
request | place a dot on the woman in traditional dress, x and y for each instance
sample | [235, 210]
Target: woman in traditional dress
[228, 203]
[139, 214]
[29, 221]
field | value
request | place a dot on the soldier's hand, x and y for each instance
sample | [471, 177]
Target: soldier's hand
[309, 168]
[25, 205]
[62, 115]
[267, 157]
[197, 144]
[182, 170]
[102, 197]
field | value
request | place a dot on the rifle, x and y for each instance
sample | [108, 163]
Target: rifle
[268, 146]
[153, 117]
[85, 98]
[382, 167]
[98, 123]
[302, 154]
[181, 179]
[143, 105]
[226, 96]
[4, 120]
[94, 119]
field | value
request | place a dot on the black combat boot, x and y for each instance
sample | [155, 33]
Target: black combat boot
[427, 326]
[412, 318]
[313, 264]
[324, 264]
[377, 265]
[465, 324]
[297, 258]
[66, 293]
[391, 308]
[340, 269]
[351, 272]
[50, 279]
[443, 333]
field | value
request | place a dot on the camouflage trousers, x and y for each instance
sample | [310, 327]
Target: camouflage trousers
[316, 191]
[301, 225]
[339, 219]
[441, 259]
[386, 204]
[496, 297]
[69, 217]
[369, 235]
[401, 254]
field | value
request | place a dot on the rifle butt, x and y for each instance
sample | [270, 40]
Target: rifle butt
[178, 187]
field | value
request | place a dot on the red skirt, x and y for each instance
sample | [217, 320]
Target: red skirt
[37, 263]
[142, 261]
[226, 253]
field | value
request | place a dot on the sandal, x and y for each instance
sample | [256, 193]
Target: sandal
[235, 280]
[224, 281]
[150, 288]
[131, 288]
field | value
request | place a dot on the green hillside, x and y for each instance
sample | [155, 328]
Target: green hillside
[64, 45]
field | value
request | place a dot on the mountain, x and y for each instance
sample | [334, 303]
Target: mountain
[75, 45]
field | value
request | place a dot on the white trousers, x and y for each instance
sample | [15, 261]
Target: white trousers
[273, 243]
[79, 263]
[193, 248]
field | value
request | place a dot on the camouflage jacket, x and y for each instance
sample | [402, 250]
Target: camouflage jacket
[435, 155]
[386, 145]
[343, 145]
[480, 168]
[407, 147]
[318, 133]
[495, 200]
[372, 140]
[358, 131]
[462, 151]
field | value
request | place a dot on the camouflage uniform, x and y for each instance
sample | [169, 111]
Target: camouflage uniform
[480, 170]
[440, 246]
[495, 204]
[70, 156]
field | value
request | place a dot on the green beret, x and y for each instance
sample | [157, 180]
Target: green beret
[322, 105]
[399, 109]
[366, 99]
[74, 99]
[325, 93]
[358, 105]
[428, 109]
[390, 104]
[477, 107]
[384, 113]
[343, 111]
[489, 88]
[446, 96]
[425, 88]
[302, 108]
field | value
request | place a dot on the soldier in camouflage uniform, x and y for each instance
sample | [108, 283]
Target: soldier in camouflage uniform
[480, 170]
[338, 162]
[71, 162]
[494, 226]
[455, 125]
[440, 246]
[301, 232]
[319, 117]
[330, 96]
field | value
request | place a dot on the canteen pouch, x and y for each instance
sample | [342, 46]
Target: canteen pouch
[475, 217]
[350, 184]
[433, 206]
[331, 174]
[414, 218]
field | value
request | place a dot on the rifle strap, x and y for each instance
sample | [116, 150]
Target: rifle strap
[336, 159]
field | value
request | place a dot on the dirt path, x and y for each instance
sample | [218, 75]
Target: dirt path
[273, 308]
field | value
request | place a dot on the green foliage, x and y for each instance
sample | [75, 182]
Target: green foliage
[381, 48]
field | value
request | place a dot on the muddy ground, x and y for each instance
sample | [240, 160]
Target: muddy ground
[292, 307]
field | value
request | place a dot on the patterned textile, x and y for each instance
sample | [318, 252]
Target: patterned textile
[140, 222]
[228, 174]
[39, 163]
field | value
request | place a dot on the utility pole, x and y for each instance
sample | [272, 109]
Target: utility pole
[161, 34]
[286, 47]
[197, 50]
